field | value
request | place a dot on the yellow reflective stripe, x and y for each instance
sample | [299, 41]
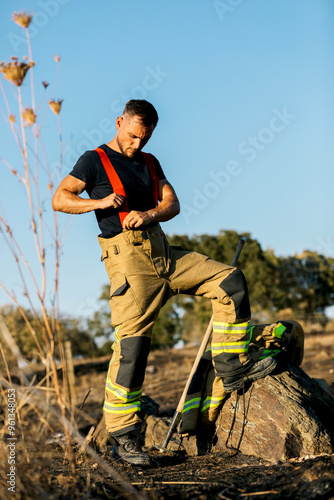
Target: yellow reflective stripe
[116, 337]
[234, 332]
[122, 395]
[210, 398]
[185, 410]
[121, 411]
[116, 332]
[223, 344]
[234, 351]
[236, 347]
[214, 401]
[211, 403]
[110, 408]
[192, 403]
[231, 326]
[217, 323]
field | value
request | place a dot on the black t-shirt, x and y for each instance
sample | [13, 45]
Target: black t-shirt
[134, 175]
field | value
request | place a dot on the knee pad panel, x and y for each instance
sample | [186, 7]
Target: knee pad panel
[133, 361]
[236, 288]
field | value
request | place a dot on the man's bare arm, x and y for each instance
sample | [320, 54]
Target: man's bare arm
[168, 208]
[66, 198]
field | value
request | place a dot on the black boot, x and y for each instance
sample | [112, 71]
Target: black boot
[206, 438]
[129, 448]
[258, 370]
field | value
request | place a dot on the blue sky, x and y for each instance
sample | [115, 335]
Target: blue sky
[244, 91]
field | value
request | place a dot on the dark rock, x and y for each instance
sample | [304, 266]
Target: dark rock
[287, 415]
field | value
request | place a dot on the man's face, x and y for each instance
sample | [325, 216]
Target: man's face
[132, 134]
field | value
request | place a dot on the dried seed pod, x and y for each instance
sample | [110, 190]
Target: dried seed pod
[15, 71]
[55, 105]
[22, 18]
[29, 117]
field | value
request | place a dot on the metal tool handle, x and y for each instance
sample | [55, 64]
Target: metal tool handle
[239, 248]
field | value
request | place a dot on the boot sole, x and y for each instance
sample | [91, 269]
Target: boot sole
[135, 459]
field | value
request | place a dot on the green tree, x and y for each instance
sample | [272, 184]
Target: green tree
[99, 325]
[306, 282]
[82, 342]
[167, 330]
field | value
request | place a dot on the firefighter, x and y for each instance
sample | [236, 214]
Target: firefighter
[130, 195]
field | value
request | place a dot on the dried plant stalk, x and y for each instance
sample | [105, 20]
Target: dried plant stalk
[36, 181]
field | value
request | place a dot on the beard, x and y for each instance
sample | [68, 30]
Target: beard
[128, 152]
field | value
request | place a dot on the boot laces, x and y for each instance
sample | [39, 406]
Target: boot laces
[132, 446]
[244, 422]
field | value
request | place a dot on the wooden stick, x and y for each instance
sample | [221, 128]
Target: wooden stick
[70, 374]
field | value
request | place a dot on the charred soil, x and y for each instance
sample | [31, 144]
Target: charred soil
[42, 471]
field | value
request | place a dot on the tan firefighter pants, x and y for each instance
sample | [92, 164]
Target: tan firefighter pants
[144, 272]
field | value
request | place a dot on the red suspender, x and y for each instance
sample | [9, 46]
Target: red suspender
[155, 180]
[117, 185]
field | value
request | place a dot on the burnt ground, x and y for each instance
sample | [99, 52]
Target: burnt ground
[173, 474]
[215, 476]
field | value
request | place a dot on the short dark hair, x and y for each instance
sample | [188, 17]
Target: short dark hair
[144, 109]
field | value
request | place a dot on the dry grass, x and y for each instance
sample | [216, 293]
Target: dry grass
[43, 467]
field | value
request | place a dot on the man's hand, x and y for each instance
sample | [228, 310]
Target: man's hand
[168, 207]
[136, 219]
[66, 198]
[113, 200]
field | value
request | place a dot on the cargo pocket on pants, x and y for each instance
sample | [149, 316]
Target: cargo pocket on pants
[123, 302]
